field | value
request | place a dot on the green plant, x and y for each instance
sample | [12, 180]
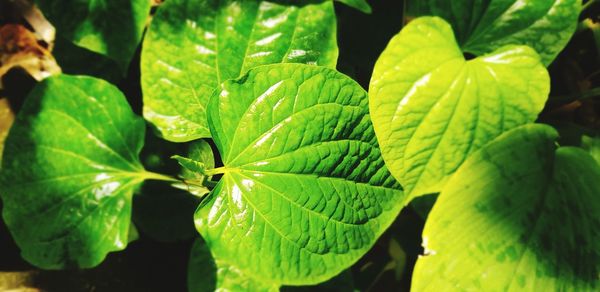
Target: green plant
[300, 190]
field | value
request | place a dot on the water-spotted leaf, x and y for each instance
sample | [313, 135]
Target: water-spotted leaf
[206, 274]
[431, 108]
[70, 167]
[519, 215]
[110, 27]
[305, 192]
[483, 26]
[193, 46]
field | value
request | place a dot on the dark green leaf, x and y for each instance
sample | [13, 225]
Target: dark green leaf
[592, 145]
[110, 27]
[483, 26]
[69, 171]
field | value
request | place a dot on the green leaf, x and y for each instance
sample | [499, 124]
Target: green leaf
[110, 27]
[69, 170]
[431, 108]
[194, 168]
[190, 165]
[206, 274]
[519, 215]
[201, 158]
[305, 192]
[592, 145]
[361, 5]
[193, 46]
[202, 152]
[483, 26]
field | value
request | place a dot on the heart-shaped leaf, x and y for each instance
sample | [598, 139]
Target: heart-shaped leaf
[70, 167]
[110, 27]
[431, 108]
[305, 192]
[193, 46]
[519, 215]
[483, 26]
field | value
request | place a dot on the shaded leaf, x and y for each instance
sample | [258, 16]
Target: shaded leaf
[75, 60]
[518, 215]
[109, 27]
[592, 145]
[70, 168]
[483, 26]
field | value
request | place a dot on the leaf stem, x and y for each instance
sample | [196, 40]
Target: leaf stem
[218, 170]
[148, 175]
[580, 96]
[588, 5]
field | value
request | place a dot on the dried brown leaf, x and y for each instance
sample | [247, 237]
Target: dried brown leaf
[19, 47]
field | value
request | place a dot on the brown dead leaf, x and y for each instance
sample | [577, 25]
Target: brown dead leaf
[7, 117]
[43, 29]
[19, 48]
[18, 281]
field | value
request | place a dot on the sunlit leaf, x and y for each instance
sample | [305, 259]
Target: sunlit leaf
[431, 108]
[193, 46]
[304, 192]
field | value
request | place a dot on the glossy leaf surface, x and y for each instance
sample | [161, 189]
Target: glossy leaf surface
[193, 46]
[69, 170]
[206, 274]
[110, 27]
[483, 26]
[431, 108]
[519, 215]
[305, 192]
